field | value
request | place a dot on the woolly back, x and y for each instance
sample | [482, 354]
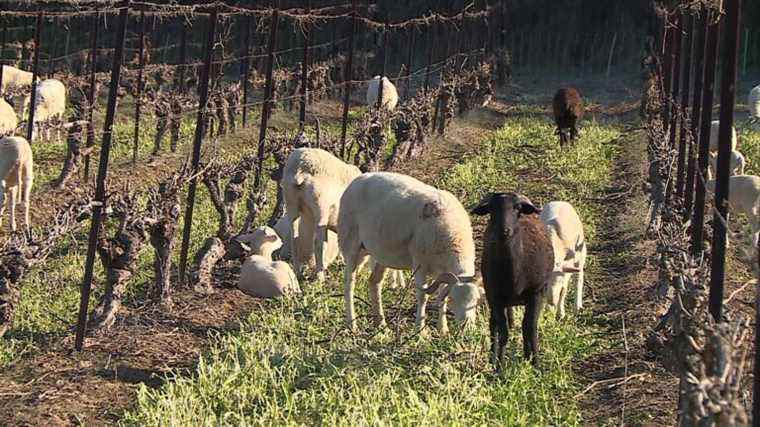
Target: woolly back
[318, 163]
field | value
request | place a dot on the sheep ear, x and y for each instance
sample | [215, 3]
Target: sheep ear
[444, 293]
[569, 267]
[527, 208]
[484, 206]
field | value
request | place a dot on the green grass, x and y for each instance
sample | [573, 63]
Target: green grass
[292, 364]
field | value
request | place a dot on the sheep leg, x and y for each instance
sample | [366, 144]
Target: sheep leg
[12, 206]
[579, 289]
[2, 200]
[319, 252]
[530, 329]
[27, 192]
[499, 328]
[443, 324]
[560, 307]
[375, 294]
[419, 287]
[295, 256]
[353, 257]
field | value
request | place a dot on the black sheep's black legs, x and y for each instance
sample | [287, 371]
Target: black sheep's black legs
[499, 337]
[530, 328]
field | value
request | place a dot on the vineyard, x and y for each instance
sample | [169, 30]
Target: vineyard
[126, 296]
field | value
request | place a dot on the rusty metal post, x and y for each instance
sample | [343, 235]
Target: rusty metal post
[684, 104]
[35, 75]
[667, 70]
[675, 90]
[305, 70]
[100, 189]
[2, 52]
[200, 124]
[708, 86]
[91, 95]
[384, 62]
[727, 98]
[349, 76]
[139, 89]
[247, 69]
[696, 109]
[409, 59]
[266, 108]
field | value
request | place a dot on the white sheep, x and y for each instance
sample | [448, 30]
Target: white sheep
[714, 132]
[50, 106]
[737, 164]
[405, 224]
[743, 195]
[754, 103]
[568, 241]
[8, 119]
[390, 94]
[16, 177]
[312, 183]
[259, 275]
[13, 78]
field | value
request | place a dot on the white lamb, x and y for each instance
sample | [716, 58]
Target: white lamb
[13, 78]
[714, 131]
[8, 119]
[743, 197]
[259, 275]
[405, 224]
[50, 104]
[754, 103]
[390, 94]
[566, 233]
[312, 183]
[737, 164]
[16, 177]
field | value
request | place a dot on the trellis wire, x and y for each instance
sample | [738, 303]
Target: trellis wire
[100, 189]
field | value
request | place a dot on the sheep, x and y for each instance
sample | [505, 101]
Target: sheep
[8, 119]
[737, 164]
[312, 183]
[568, 109]
[743, 195]
[754, 103]
[405, 224]
[16, 177]
[517, 263]
[50, 105]
[13, 78]
[259, 275]
[714, 131]
[390, 94]
[569, 243]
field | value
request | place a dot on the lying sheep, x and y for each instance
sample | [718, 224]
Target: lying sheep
[568, 241]
[403, 223]
[754, 103]
[16, 177]
[8, 119]
[390, 94]
[50, 106]
[259, 275]
[312, 183]
[568, 110]
[517, 263]
[14, 79]
[714, 132]
[737, 164]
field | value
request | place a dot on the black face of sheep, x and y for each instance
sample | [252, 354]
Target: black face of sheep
[517, 262]
[568, 109]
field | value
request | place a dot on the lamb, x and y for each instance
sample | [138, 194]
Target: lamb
[405, 224]
[568, 241]
[8, 119]
[312, 183]
[390, 94]
[517, 263]
[754, 103]
[13, 78]
[16, 177]
[50, 106]
[743, 195]
[737, 163]
[259, 275]
[714, 131]
[568, 109]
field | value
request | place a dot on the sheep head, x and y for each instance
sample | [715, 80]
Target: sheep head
[505, 210]
[261, 241]
[464, 294]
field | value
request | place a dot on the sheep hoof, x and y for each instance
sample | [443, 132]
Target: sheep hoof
[320, 277]
[380, 324]
[443, 331]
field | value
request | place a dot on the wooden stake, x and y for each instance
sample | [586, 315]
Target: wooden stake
[266, 108]
[348, 78]
[91, 95]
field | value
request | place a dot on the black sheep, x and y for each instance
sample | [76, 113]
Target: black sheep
[568, 109]
[516, 265]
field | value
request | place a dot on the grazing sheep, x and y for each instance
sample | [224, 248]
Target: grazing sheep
[569, 243]
[714, 132]
[8, 119]
[312, 183]
[259, 275]
[50, 106]
[737, 163]
[16, 177]
[305, 246]
[390, 94]
[568, 109]
[517, 263]
[754, 103]
[13, 78]
[405, 224]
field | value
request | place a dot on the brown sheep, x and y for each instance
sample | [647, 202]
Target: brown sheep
[568, 109]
